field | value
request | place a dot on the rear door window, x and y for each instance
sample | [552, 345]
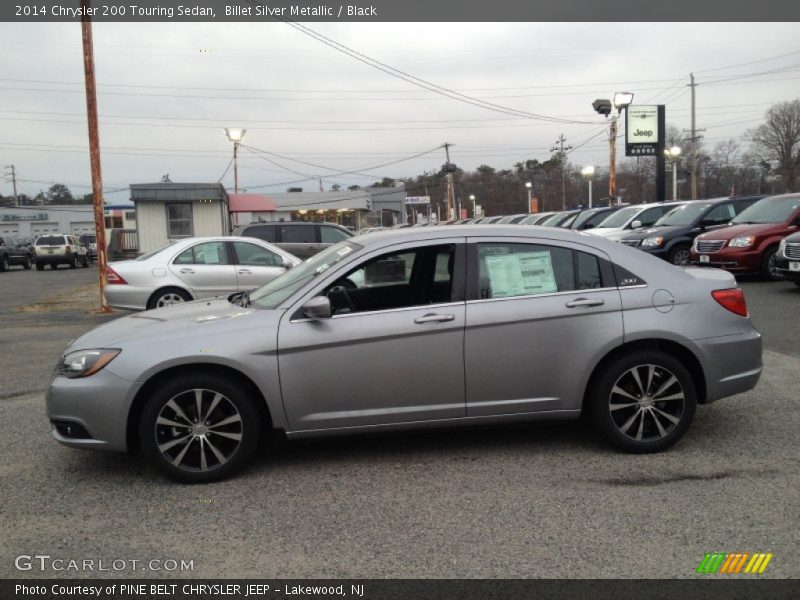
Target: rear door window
[262, 232]
[298, 234]
[650, 216]
[721, 214]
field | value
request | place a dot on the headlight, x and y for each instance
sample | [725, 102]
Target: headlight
[742, 242]
[653, 241]
[84, 363]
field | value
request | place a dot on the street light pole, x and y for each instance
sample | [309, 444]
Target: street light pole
[529, 186]
[236, 136]
[472, 197]
[672, 154]
[588, 173]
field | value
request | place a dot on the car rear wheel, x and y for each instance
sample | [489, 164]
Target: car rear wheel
[769, 269]
[26, 264]
[679, 256]
[167, 297]
[643, 402]
[73, 262]
[4, 263]
[199, 428]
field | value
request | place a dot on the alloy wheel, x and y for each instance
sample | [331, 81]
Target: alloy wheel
[169, 299]
[772, 266]
[680, 257]
[646, 403]
[198, 430]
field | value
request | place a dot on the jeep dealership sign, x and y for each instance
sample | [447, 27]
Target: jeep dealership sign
[644, 130]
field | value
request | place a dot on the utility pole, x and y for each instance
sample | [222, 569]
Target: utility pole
[13, 176]
[694, 137]
[562, 158]
[449, 168]
[94, 150]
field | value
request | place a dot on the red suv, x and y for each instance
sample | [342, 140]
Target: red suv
[751, 241]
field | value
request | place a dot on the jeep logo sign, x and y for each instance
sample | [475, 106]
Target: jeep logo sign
[642, 124]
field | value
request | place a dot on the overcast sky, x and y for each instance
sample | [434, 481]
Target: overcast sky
[166, 91]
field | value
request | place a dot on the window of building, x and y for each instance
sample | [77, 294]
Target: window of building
[179, 219]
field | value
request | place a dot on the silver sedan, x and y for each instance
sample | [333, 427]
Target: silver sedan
[193, 269]
[416, 327]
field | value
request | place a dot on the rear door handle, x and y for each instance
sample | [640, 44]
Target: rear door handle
[245, 272]
[434, 318]
[585, 302]
[187, 271]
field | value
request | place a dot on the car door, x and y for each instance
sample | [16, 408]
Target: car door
[302, 240]
[539, 316]
[255, 265]
[205, 269]
[391, 353]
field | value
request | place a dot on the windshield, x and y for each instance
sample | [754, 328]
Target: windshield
[769, 210]
[682, 215]
[619, 218]
[280, 288]
[154, 252]
[589, 216]
[552, 220]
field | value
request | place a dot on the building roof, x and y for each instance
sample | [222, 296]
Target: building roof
[163, 192]
[358, 199]
[251, 203]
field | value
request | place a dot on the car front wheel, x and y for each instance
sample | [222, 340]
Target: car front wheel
[679, 256]
[4, 264]
[200, 428]
[643, 402]
[769, 268]
[26, 263]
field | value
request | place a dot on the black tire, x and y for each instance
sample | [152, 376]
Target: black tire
[679, 255]
[159, 297]
[27, 263]
[53, 266]
[4, 263]
[164, 444]
[85, 262]
[643, 425]
[39, 266]
[73, 262]
[797, 282]
[769, 270]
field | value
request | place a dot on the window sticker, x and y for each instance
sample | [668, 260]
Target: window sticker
[210, 254]
[521, 274]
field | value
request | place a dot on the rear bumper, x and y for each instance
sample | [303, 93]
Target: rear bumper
[128, 296]
[732, 363]
[53, 259]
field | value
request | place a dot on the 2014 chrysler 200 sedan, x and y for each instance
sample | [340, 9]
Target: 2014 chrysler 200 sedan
[418, 327]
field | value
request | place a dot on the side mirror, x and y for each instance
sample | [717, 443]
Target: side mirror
[287, 264]
[319, 307]
[636, 224]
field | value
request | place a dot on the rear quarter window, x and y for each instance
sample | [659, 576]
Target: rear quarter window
[262, 232]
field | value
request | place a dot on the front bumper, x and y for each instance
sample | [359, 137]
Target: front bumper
[99, 405]
[735, 260]
[732, 363]
[782, 265]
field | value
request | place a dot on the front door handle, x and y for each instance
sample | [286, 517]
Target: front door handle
[245, 272]
[434, 318]
[585, 302]
[187, 271]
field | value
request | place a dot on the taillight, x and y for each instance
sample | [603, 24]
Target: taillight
[113, 278]
[732, 299]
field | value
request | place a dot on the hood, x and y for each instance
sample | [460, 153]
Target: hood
[640, 234]
[605, 232]
[202, 317]
[745, 229]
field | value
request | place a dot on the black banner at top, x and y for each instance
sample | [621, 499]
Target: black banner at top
[375, 11]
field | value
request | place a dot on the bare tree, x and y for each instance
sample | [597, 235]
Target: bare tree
[777, 141]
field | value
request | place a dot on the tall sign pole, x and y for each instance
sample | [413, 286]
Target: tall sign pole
[661, 159]
[94, 150]
[644, 136]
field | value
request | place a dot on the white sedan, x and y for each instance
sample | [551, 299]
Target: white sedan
[193, 269]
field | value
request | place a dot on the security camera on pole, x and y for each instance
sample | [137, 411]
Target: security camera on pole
[604, 107]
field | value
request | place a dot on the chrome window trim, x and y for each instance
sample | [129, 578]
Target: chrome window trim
[546, 295]
[381, 312]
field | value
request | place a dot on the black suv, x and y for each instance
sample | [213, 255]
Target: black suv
[301, 238]
[672, 236]
[15, 252]
[787, 260]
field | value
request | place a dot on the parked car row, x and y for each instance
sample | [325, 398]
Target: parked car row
[15, 251]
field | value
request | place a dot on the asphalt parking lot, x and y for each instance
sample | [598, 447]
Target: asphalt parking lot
[524, 502]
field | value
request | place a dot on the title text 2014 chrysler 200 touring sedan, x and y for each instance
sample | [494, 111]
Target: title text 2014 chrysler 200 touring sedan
[498, 323]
